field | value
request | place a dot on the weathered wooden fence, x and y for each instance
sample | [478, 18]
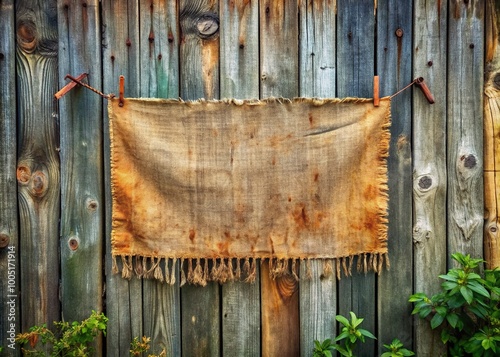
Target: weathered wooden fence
[54, 192]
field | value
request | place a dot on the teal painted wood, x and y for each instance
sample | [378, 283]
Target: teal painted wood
[429, 162]
[199, 78]
[82, 196]
[120, 57]
[279, 54]
[465, 128]
[159, 56]
[239, 63]
[10, 317]
[394, 66]
[38, 161]
[317, 76]
[355, 70]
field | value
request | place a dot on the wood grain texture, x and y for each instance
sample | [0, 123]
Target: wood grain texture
[10, 317]
[317, 76]
[82, 197]
[159, 57]
[199, 49]
[38, 161]
[120, 56]
[239, 63]
[429, 162]
[355, 70]
[491, 136]
[199, 78]
[394, 52]
[465, 128]
[279, 78]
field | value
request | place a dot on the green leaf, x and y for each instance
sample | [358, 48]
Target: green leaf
[467, 294]
[449, 277]
[452, 319]
[417, 297]
[436, 321]
[342, 320]
[342, 336]
[367, 333]
[478, 288]
[449, 285]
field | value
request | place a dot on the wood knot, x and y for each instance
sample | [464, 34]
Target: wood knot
[38, 184]
[73, 243]
[4, 240]
[26, 35]
[425, 182]
[92, 205]
[496, 81]
[23, 174]
[469, 161]
[207, 26]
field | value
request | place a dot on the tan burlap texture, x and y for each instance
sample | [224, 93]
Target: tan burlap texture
[209, 187]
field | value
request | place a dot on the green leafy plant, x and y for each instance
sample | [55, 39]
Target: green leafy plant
[323, 349]
[466, 310]
[138, 347]
[351, 334]
[396, 349]
[69, 339]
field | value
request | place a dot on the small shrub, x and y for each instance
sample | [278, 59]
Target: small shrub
[466, 310]
[396, 349]
[137, 348]
[69, 339]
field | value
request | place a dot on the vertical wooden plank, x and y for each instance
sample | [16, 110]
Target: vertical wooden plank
[394, 49]
[38, 161]
[120, 57]
[279, 58]
[159, 56]
[429, 162]
[465, 127]
[318, 296]
[239, 63]
[10, 319]
[199, 78]
[492, 135]
[355, 70]
[82, 198]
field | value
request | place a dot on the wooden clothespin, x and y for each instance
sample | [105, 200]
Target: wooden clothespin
[72, 84]
[121, 91]
[376, 91]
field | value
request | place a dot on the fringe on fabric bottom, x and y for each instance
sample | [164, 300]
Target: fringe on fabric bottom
[200, 271]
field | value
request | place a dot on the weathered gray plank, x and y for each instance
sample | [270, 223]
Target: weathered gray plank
[429, 162]
[38, 162]
[199, 49]
[492, 136]
[159, 40]
[10, 319]
[239, 63]
[465, 128]
[394, 51]
[120, 57]
[82, 199]
[199, 78]
[317, 76]
[355, 70]
[279, 78]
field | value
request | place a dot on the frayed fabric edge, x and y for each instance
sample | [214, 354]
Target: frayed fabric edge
[201, 271]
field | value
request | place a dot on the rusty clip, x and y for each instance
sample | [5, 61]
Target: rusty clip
[427, 93]
[376, 91]
[121, 91]
[64, 90]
